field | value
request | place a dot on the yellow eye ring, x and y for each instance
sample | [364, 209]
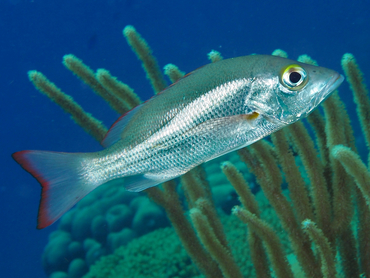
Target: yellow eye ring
[293, 77]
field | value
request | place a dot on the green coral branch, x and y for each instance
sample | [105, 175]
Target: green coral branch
[273, 245]
[144, 53]
[90, 124]
[88, 76]
[322, 244]
[355, 167]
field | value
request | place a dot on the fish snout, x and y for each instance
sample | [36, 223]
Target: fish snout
[333, 83]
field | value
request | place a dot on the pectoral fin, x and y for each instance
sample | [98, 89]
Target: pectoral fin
[250, 117]
[226, 125]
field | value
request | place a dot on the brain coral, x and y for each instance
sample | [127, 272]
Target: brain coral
[107, 218]
[160, 253]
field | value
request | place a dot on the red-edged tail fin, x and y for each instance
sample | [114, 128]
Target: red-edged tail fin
[62, 178]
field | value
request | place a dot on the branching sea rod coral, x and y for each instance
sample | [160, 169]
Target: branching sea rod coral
[326, 204]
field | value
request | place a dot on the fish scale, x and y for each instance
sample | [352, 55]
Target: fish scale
[162, 143]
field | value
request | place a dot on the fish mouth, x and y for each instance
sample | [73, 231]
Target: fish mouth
[336, 81]
[333, 84]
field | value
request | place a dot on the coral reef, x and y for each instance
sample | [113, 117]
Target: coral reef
[318, 227]
[107, 218]
[160, 254]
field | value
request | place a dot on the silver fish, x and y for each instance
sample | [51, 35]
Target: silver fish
[212, 111]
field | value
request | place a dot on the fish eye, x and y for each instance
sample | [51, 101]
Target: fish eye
[293, 77]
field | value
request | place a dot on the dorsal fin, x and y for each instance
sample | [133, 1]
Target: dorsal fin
[115, 131]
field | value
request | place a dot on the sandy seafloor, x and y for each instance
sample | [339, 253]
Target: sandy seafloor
[36, 34]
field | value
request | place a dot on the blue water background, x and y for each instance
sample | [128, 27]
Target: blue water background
[36, 34]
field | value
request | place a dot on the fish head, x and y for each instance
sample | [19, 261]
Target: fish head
[285, 91]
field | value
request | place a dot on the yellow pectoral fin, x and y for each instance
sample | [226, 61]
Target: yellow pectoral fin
[251, 117]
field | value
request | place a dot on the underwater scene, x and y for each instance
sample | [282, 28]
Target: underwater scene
[221, 165]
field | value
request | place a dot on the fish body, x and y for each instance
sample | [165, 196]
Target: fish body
[214, 110]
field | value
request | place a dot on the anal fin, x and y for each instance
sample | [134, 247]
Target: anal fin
[139, 183]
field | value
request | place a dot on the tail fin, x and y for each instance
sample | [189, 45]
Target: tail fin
[62, 179]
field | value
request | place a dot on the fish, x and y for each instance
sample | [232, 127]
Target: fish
[216, 109]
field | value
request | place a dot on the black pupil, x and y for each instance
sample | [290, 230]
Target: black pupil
[294, 77]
